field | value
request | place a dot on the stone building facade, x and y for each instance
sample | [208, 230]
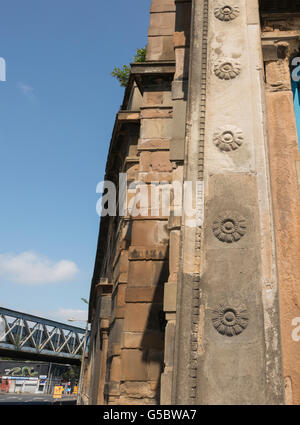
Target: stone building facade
[203, 311]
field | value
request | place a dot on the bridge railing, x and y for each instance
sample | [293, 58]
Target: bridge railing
[33, 334]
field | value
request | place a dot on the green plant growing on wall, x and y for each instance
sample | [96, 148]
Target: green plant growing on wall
[84, 300]
[122, 74]
[140, 55]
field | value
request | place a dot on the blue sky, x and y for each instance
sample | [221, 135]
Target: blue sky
[57, 110]
[297, 108]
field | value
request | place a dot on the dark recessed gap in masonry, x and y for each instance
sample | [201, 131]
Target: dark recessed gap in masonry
[279, 6]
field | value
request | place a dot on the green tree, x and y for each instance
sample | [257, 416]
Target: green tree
[71, 374]
[122, 74]
[140, 55]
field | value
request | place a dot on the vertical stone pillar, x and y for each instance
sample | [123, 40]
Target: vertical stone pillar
[160, 36]
[170, 296]
[98, 342]
[104, 332]
[187, 315]
[228, 340]
[85, 391]
[284, 154]
[180, 83]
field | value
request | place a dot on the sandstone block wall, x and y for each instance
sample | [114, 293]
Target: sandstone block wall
[202, 314]
[138, 256]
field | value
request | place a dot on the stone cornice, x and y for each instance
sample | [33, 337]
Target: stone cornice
[281, 35]
[280, 44]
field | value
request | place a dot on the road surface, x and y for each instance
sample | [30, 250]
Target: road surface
[17, 399]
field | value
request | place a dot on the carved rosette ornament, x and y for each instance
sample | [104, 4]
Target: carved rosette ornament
[228, 138]
[229, 227]
[230, 319]
[227, 13]
[227, 69]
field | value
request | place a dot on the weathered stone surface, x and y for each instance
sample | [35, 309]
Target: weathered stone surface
[143, 340]
[147, 273]
[162, 24]
[137, 390]
[287, 224]
[105, 307]
[155, 364]
[178, 139]
[124, 401]
[162, 6]
[174, 255]
[115, 349]
[113, 389]
[166, 388]
[180, 39]
[216, 362]
[115, 369]
[160, 48]
[169, 344]
[133, 366]
[153, 144]
[234, 281]
[155, 128]
[153, 98]
[141, 316]
[155, 161]
[252, 13]
[195, 311]
[137, 294]
[170, 297]
[159, 252]
[148, 233]
[153, 112]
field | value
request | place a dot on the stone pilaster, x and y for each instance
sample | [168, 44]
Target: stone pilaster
[161, 31]
[284, 154]
[233, 329]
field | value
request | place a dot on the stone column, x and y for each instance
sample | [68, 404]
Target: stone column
[85, 392]
[99, 339]
[104, 332]
[228, 340]
[284, 154]
[187, 315]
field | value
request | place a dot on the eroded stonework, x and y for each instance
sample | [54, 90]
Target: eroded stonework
[228, 138]
[227, 68]
[170, 304]
[229, 227]
[227, 13]
[230, 319]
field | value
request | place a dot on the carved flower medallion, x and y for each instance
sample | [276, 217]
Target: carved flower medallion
[227, 69]
[230, 319]
[228, 138]
[229, 227]
[227, 13]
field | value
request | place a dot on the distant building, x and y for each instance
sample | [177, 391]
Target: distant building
[30, 377]
[204, 310]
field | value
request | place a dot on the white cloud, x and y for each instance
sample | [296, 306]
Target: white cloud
[26, 90]
[30, 268]
[78, 317]
[69, 316]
